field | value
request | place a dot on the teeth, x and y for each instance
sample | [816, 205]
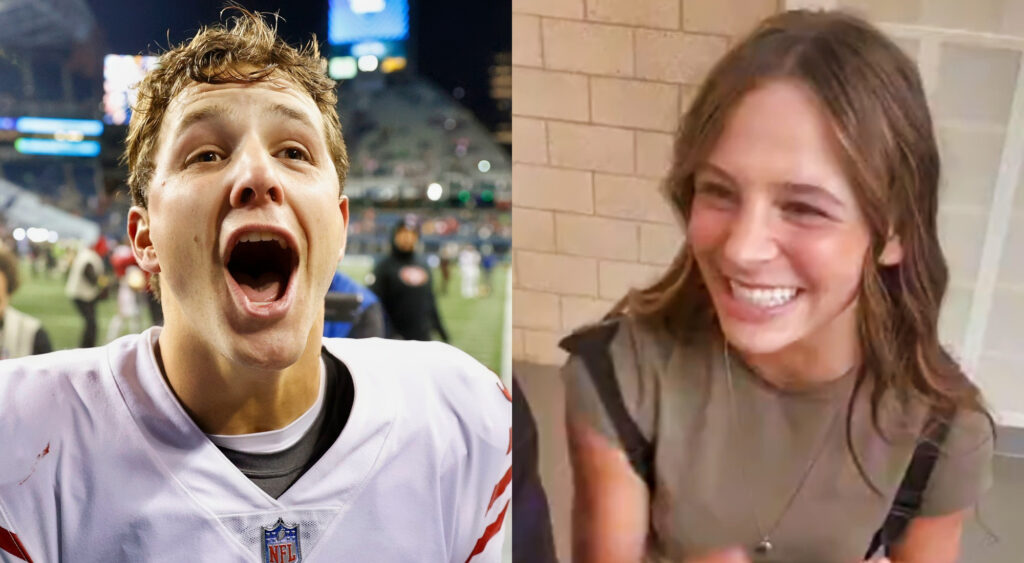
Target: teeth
[259, 236]
[763, 297]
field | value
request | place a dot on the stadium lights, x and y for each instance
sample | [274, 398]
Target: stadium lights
[341, 68]
[18, 234]
[484, 166]
[375, 48]
[27, 145]
[434, 191]
[392, 64]
[366, 6]
[37, 234]
[368, 63]
[53, 126]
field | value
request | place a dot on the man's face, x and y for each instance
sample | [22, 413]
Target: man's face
[405, 239]
[245, 222]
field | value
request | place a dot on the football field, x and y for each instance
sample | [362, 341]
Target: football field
[474, 325]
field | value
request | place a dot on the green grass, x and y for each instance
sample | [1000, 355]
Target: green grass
[474, 325]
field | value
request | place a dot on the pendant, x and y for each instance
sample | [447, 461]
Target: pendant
[763, 547]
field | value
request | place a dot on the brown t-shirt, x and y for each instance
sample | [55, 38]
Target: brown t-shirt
[709, 475]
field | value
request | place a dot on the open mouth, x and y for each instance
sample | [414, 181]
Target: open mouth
[262, 263]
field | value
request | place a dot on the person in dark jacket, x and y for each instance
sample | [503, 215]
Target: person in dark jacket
[403, 282]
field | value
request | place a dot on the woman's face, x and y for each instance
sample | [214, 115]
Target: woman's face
[775, 228]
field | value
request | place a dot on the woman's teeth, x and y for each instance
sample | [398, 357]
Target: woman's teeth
[763, 297]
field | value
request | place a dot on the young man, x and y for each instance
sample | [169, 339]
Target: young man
[236, 433]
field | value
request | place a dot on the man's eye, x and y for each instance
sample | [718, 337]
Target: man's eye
[294, 153]
[205, 156]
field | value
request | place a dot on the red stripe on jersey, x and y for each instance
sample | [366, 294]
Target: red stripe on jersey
[504, 391]
[509, 441]
[10, 543]
[489, 533]
[500, 487]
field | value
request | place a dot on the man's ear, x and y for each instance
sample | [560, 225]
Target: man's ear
[142, 243]
[892, 254]
[343, 208]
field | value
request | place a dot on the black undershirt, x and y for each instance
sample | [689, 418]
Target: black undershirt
[275, 472]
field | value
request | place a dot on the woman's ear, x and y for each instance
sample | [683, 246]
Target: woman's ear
[892, 254]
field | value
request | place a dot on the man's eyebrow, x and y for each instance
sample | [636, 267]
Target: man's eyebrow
[289, 112]
[207, 113]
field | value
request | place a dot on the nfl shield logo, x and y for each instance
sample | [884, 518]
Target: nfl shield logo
[281, 543]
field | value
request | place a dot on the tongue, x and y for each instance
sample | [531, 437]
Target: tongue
[263, 289]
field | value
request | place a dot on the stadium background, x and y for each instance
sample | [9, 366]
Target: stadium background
[423, 97]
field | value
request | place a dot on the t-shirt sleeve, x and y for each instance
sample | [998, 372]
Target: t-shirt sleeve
[963, 470]
[582, 402]
[631, 375]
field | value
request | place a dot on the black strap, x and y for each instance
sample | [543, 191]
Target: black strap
[910, 495]
[592, 346]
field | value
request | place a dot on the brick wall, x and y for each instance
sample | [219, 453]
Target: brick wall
[598, 87]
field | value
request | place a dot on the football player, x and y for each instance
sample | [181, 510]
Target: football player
[236, 432]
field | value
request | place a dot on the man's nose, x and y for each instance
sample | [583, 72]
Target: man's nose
[256, 180]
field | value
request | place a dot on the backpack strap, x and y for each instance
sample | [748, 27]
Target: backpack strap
[591, 345]
[910, 495]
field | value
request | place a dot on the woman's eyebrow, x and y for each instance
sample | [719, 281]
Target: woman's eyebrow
[813, 190]
[716, 170]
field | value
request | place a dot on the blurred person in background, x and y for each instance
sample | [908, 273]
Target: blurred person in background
[488, 261]
[403, 282]
[367, 320]
[131, 282]
[772, 393]
[446, 256]
[86, 285]
[20, 334]
[469, 271]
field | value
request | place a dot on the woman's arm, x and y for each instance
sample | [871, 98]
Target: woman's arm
[931, 539]
[611, 502]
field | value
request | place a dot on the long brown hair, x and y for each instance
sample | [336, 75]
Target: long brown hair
[873, 95]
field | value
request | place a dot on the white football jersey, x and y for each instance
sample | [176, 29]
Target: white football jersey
[100, 462]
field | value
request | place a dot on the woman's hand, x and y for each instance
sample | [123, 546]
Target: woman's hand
[731, 555]
[610, 504]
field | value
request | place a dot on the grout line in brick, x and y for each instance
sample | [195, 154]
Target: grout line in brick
[602, 23]
[618, 127]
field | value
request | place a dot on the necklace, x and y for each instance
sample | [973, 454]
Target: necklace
[765, 546]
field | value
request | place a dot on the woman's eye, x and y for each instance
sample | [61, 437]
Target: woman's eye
[716, 191]
[804, 210]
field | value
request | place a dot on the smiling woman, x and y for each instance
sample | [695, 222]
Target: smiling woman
[780, 394]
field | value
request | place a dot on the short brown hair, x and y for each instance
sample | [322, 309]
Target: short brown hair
[9, 269]
[219, 54]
